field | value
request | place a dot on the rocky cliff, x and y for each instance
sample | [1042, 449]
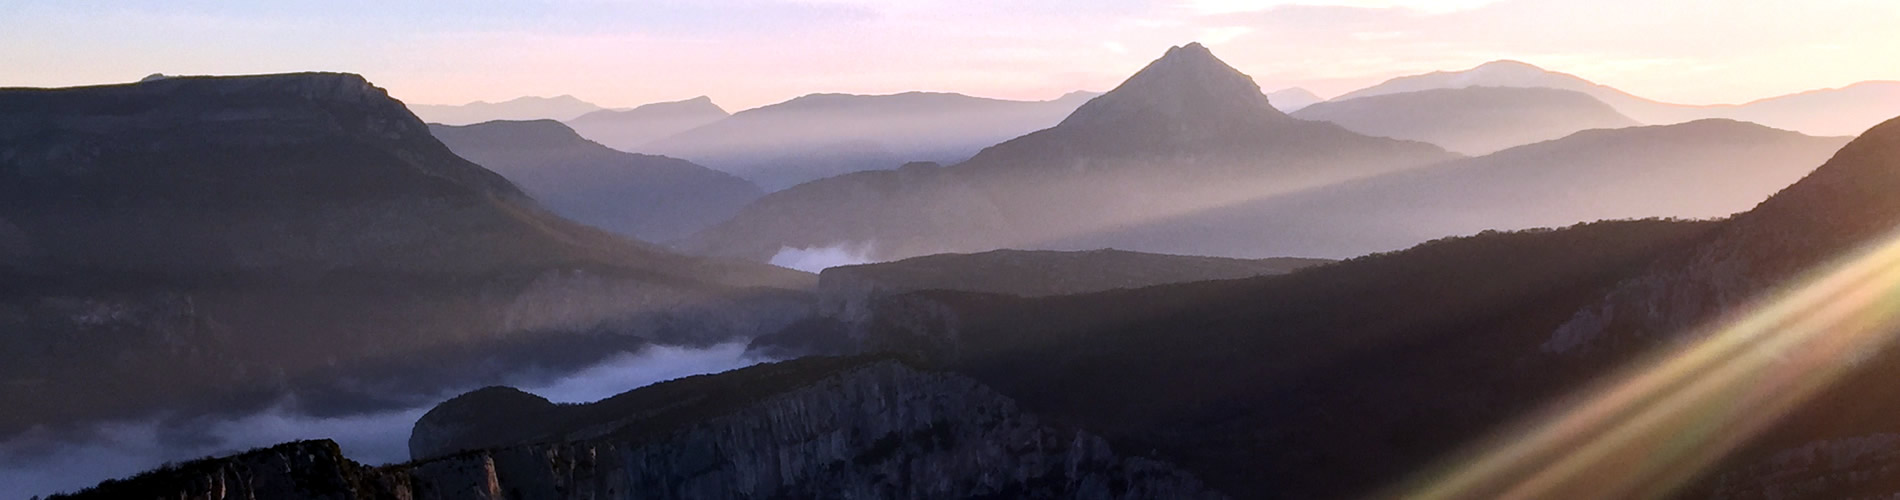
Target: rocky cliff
[847, 428]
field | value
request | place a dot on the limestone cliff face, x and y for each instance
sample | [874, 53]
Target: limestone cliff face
[873, 428]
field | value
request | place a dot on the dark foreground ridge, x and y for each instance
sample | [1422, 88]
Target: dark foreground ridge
[860, 427]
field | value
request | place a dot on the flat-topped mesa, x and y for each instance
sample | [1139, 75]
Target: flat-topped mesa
[291, 107]
[1186, 86]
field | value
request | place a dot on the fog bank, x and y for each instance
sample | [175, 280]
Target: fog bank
[40, 462]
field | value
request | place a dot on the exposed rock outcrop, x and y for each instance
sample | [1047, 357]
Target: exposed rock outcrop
[842, 428]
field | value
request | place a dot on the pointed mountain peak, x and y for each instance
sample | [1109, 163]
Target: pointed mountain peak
[1186, 85]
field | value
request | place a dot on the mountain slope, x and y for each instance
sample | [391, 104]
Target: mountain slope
[1849, 110]
[1186, 134]
[1702, 169]
[1837, 211]
[1329, 382]
[1472, 120]
[632, 129]
[520, 108]
[823, 135]
[220, 241]
[651, 198]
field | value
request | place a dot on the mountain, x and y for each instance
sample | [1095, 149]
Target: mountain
[1760, 274]
[865, 427]
[651, 198]
[564, 107]
[1701, 169]
[1519, 74]
[216, 242]
[1185, 134]
[1471, 120]
[823, 135]
[632, 129]
[1331, 382]
[1844, 111]
[1293, 99]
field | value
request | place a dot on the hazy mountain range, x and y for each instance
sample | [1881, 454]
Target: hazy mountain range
[631, 130]
[1844, 111]
[1471, 120]
[1510, 240]
[823, 135]
[1702, 169]
[1263, 194]
[646, 197]
[564, 107]
[1185, 134]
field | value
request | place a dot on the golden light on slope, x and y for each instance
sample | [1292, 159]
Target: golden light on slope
[1653, 428]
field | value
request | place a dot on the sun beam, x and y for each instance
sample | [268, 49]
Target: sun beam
[1656, 426]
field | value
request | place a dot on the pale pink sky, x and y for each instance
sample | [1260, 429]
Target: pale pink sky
[746, 53]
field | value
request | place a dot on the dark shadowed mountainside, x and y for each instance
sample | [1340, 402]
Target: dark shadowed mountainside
[521, 108]
[651, 198]
[1186, 134]
[822, 135]
[1473, 120]
[1702, 169]
[632, 129]
[220, 240]
[1323, 383]
[1838, 445]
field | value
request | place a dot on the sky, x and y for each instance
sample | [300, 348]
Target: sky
[747, 53]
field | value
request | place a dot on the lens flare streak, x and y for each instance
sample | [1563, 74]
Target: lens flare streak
[1654, 427]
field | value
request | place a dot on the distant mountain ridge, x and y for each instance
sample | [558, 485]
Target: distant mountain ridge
[1184, 134]
[651, 198]
[564, 107]
[1829, 112]
[1701, 169]
[822, 135]
[631, 130]
[1471, 120]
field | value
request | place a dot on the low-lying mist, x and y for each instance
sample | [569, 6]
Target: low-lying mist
[815, 259]
[42, 462]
